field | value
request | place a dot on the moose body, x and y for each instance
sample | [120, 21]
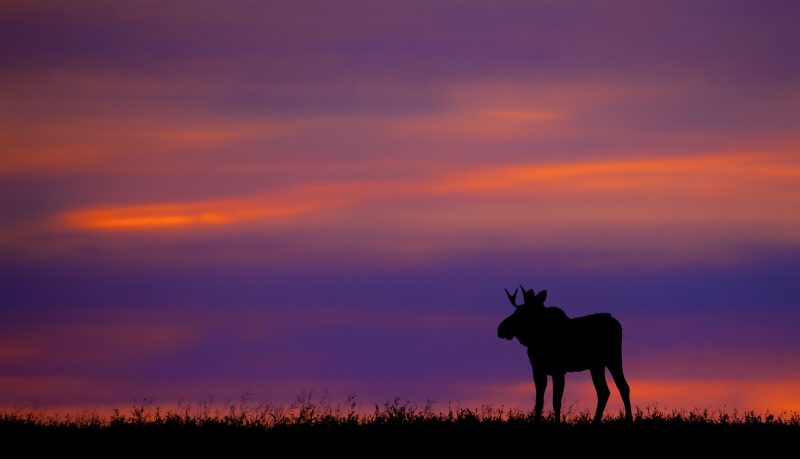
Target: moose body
[558, 344]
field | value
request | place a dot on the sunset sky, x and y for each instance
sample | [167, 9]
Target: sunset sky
[205, 199]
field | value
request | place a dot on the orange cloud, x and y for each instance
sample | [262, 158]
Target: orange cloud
[736, 187]
[667, 207]
[620, 175]
[155, 216]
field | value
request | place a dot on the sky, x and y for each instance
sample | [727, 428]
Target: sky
[202, 200]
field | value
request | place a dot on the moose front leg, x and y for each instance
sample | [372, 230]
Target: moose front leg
[558, 394]
[540, 381]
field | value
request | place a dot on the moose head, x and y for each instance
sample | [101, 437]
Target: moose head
[518, 323]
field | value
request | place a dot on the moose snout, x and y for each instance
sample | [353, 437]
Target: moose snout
[504, 332]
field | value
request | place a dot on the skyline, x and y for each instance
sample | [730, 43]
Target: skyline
[272, 197]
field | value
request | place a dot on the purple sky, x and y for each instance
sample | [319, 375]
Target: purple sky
[208, 198]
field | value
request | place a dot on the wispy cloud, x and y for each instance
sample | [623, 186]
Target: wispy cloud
[679, 203]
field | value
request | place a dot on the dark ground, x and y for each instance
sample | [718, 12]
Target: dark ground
[398, 430]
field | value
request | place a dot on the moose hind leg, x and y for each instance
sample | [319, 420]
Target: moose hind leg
[599, 380]
[624, 390]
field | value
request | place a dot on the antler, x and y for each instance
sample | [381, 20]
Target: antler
[512, 298]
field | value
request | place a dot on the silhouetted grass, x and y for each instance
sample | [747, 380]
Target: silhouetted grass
[400, 427]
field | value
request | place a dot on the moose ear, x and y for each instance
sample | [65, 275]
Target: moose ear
[541, 296]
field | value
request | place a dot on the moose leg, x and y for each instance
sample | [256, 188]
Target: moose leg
[615, 369]
[558, 394]
[599, 380]
[540, 381]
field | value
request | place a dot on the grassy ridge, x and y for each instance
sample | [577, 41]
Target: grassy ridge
[401, 427]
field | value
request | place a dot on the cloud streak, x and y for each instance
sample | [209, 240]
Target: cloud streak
[699, 201]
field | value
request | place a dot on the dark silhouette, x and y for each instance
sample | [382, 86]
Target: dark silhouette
[558, 344]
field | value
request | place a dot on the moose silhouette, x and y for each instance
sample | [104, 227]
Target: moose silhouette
[558, 344]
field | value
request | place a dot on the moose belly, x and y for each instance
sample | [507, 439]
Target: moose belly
[565, 358]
